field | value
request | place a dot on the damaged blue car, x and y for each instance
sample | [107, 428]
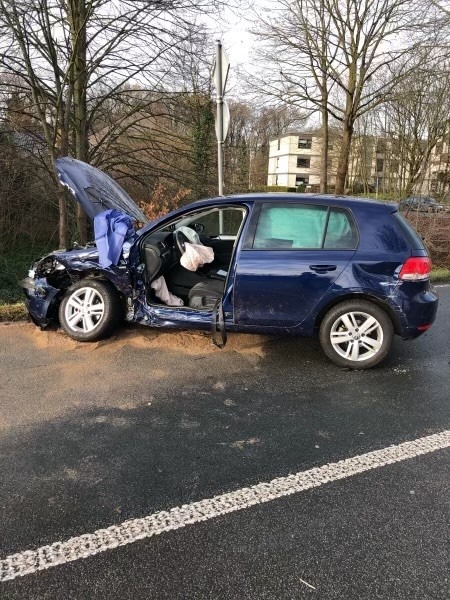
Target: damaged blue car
[350, 270]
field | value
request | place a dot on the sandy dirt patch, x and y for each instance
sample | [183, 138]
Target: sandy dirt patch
[186, 342]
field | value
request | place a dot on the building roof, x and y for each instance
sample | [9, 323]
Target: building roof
[302, 134]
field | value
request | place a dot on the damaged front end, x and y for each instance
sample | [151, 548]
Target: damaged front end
[43, 288]
[50, 277]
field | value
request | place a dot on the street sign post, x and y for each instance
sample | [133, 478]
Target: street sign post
[225, 122]
[220, 76]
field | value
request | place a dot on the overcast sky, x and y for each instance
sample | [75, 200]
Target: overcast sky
[233, 28]
[237, 40]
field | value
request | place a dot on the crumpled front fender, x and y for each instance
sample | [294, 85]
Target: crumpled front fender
[41, 300]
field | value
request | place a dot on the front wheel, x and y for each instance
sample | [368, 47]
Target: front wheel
[356, 334]
[89, 310]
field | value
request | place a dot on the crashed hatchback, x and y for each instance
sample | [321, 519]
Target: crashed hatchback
[350, 270]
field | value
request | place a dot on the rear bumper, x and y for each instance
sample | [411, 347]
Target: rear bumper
[417, 312]
[41, 300]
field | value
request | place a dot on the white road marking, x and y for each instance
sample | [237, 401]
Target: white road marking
[441, 285]
[90, 544]
[308, 584]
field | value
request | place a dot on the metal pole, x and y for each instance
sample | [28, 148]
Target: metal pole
[219, 116]
[219, 127]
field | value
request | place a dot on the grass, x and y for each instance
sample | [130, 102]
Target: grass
[438, 275]
[14, 266]
[13, 312]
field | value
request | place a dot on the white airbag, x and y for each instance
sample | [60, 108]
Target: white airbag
[160, 288]
[195, 256]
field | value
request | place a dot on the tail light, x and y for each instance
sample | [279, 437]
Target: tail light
[416, 268]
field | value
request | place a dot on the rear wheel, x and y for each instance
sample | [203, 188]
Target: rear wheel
[356, 334]
[89, 310]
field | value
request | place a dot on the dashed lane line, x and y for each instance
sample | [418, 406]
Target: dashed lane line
[90, 544]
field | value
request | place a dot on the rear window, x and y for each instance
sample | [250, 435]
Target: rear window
[411, 235]
[341, 231]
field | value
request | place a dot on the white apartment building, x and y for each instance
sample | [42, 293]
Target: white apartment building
[294, 159]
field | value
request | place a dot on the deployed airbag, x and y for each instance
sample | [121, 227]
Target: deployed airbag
[195, 256]
[159, 286]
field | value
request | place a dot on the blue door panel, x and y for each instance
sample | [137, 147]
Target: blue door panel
[279, 288]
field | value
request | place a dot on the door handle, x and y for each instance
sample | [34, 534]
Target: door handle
[322, 268]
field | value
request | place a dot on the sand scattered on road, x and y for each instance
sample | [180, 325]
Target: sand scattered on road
[186, 342]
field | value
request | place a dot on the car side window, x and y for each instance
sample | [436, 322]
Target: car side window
[231, 222]
[304, 227]
[341, 231]
[290, 226]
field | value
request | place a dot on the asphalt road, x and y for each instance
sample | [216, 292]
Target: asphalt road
[93, 435]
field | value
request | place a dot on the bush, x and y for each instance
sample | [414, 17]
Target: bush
[274, 188]
[14, 266]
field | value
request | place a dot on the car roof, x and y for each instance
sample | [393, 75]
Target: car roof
[339, 201]
[281, 197]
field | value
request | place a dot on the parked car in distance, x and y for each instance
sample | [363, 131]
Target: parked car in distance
[421, 204]
[350, 270]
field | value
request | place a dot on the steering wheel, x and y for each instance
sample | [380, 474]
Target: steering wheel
[180, 239]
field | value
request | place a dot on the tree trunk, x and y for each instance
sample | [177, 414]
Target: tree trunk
[62, 217]
[324, 152]
[77, 15]
[344, 157]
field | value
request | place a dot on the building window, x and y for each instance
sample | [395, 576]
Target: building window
[304, 143]
[276, 179]
[380, 165]
[303, 163]
[279, 144]
[278, 162]
[301, 180]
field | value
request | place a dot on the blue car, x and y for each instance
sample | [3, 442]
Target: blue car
[349, 270]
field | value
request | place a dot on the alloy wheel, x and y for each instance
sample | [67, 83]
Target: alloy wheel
[84, 310]
[356, 336]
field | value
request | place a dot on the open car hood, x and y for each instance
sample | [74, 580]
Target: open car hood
[95, 190]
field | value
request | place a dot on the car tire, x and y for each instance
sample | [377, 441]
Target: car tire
[356, 334]
[90, 310]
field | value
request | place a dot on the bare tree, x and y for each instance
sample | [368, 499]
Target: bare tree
[294, 47]
[339, 56]
[442, 7]
[74, 60]
[418, 117]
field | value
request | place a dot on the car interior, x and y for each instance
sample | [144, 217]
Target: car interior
[217, 228]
